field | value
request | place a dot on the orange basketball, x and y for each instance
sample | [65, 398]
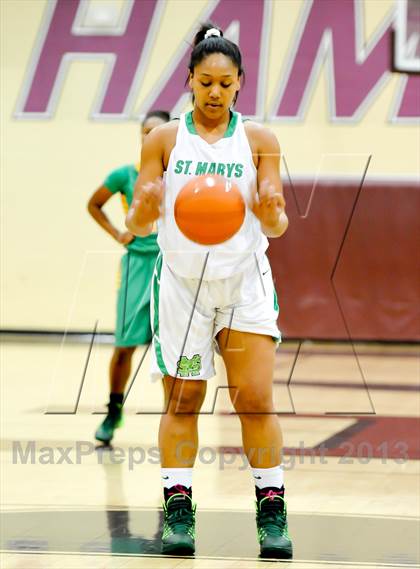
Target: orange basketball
[209, 210]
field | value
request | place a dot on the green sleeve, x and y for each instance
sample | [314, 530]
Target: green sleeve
[116, 180]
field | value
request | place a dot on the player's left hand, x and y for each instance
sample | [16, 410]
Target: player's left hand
[268, 204]
[125, 237]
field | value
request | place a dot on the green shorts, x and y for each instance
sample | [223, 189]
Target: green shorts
[133, 302]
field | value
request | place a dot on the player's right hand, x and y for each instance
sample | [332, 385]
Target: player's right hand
[148, 202]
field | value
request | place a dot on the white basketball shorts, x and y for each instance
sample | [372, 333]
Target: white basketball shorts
[187, 315]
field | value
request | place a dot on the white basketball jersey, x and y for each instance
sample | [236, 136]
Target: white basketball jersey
[230, 157]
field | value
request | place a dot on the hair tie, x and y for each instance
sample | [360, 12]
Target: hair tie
[212, 32]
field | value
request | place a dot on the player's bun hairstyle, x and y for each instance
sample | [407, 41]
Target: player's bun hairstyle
[209, 39]
[163, 115]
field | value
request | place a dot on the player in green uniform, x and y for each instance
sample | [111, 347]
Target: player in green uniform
[133, 302]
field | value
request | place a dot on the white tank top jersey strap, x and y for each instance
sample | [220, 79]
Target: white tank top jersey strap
[230, 157]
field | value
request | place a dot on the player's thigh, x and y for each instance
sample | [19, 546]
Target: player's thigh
[182, 329]
[249, 359]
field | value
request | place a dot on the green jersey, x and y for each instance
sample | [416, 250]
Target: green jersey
[123, 180]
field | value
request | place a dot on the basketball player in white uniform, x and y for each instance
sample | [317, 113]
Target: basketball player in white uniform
[224, 294]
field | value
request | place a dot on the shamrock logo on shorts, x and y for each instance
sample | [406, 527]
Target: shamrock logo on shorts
[187, 367]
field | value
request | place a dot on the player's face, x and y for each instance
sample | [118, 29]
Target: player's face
[149, 125]
[215, 82]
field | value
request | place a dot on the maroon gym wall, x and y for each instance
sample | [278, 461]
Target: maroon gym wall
[349, 266]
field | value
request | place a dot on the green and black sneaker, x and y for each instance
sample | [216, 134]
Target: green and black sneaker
[113, 420]
[273, 536]
[178, 537]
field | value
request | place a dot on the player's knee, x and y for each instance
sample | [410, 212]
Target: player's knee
[122, 355]
[187, 398]
[252, 403]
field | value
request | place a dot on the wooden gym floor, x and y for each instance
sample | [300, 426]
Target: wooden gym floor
[350, 418]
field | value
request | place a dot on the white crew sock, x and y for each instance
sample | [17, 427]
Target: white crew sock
[176, 476]
[264, 477]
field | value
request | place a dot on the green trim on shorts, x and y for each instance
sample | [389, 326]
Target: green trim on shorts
[276, 303]
[156, 289]
[277, 339]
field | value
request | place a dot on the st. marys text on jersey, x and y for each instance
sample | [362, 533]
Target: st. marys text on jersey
[229, 169]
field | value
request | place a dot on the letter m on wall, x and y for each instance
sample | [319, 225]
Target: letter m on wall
[64, 38]
[332, 32]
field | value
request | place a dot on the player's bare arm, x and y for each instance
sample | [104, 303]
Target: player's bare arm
[149, 189]
[95, 205]
[269, 205]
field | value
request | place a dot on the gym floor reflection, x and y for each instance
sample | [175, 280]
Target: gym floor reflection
[226, 534]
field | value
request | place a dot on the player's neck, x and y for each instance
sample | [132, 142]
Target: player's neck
[211, 125]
